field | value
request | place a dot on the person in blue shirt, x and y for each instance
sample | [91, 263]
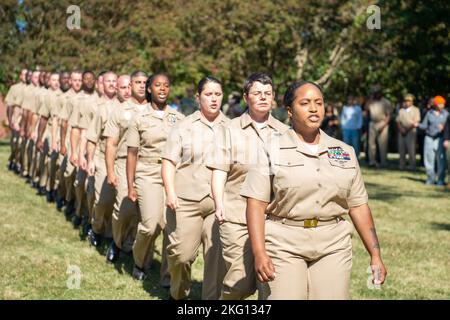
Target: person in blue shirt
[351, 123]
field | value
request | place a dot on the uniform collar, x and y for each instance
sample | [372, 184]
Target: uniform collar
[291, 140]
[246, 121]
[197, 116]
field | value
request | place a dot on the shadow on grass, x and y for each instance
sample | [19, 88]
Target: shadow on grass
[440, 226]
[151, 284]
[414, 179]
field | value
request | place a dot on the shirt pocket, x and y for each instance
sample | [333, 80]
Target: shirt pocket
[288, 170]
[343, 173]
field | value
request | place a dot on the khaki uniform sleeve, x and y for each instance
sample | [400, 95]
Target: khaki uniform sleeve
[417, 115]
[358, 194]
[133, 137]
[44, 108]
[257, 184]
[221, 154]
[75, 114]
[112, 127]
[11, 96]
[94, 129]
[85, 116]
[173, 148]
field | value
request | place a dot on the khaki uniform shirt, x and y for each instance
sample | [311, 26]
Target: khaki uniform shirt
[30, 99]
[48, 107]
[83, 109]
[149, 132]
[407, 117]
[241, 145]
[189, 144]
[64, 107]
[97, 126]
[119, 122]
[379, 109]
[300, 185]
[15, 94]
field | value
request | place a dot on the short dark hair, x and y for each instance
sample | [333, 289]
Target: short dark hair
[101, 73]
[138, 73]
[289, 96]
[262, 77]
[201, 84]
[87, 72]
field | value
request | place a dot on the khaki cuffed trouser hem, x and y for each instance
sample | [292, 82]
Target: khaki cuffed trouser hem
[380, 139]
[44, 165]
[125, 213]
[151, 202]
[105, 195]
[407, 145]
[240, 279]
[310, 263]
[194, 224]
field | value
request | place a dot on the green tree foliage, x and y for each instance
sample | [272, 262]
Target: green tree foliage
[325, 41]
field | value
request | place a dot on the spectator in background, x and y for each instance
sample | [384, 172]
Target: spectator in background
[351, 123]
[188, 104]
[433, 124]
[279, 112]
[176, 103]
[330, 121]
[234, 108]
[420, 133]
[408, 116]
[380, 111]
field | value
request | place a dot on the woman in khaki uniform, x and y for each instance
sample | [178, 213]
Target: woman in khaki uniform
[303, 249]
[187, 181]
[147, 135]
[237, 150]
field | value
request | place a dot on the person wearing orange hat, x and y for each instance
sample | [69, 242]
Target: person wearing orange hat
[433, 124]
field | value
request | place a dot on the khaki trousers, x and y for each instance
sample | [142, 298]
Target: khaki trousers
[407, 144]
[125, 212]
[53, 168]
[194, 224]
[240, 279]
[104, 198]
[44, 164]
[151, 202]
[80, 183]
[310, 263]
[380, 138]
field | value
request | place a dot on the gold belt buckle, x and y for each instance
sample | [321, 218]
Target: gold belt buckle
[310, 223]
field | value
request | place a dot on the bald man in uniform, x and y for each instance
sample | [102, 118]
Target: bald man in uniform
[131, 90]
[104, 196]
[47, 112]
[14, 100]
[29, 106]
[82, 113]
[67, 170]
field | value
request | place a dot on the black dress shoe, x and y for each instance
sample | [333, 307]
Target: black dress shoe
[50, 197]
[95, 239]
[11, 166]
[41, 191]
[76, 221]
[113, 253]
[68, 211]
[139, 274]
[60, 202]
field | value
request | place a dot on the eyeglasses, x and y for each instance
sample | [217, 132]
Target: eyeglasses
[260, 93]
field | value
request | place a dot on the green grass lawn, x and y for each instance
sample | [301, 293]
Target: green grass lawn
[40, 248]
